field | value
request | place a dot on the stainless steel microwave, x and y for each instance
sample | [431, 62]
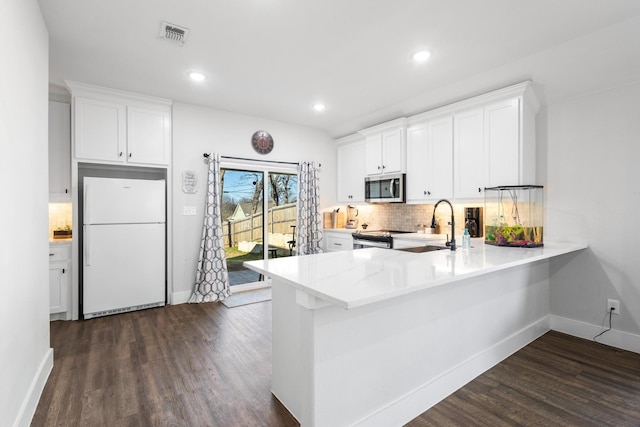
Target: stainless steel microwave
[385, 189]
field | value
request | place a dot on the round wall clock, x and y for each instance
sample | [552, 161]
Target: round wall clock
[262, 142]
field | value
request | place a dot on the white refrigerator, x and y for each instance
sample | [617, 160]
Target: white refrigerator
[124, 245]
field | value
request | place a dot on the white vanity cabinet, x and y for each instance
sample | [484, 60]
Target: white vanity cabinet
[59, 277]
[59, 152]
[430, 160]
[117, 128]
[350, 169]
[338, 240]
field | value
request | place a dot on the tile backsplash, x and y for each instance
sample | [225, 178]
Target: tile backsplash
[59, 217]
[407, 217]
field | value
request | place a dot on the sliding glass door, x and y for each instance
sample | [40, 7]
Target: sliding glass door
[255, 226]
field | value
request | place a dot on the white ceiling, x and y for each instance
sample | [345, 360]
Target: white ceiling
[275, 58]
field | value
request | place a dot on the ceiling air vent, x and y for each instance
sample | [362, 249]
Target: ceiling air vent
[174, 33]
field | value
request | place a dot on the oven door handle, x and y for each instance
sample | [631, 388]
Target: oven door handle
[363, 243]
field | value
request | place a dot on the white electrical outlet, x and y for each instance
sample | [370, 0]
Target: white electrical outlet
[189, 210]
[615, 304]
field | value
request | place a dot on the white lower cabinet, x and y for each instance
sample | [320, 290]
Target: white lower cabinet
[59, 277]
[337, 241]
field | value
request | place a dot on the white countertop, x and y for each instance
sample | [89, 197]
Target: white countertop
[355, 278]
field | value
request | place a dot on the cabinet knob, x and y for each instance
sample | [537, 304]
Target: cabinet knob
[429, 192]
[66, 191]
[120, 155]
[378, 167]
[384, 167]
[63, 271]
[129, 155]
[479, 190]
[50, 254]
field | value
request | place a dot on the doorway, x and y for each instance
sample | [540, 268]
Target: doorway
[254, 226]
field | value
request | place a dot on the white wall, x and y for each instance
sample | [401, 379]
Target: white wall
[25, 356]
[592, 148]
[198, 130]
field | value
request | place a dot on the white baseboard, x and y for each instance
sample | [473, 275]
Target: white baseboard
[30, 402]
[184, 296]
[180, 297]
[427, 395]
[614, 338]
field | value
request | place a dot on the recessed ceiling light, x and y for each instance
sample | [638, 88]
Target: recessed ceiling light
[319, 107]
[421, 56]
[196, 76]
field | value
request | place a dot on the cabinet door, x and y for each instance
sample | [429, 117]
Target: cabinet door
[417, 169]
[374, 155]
[393, 151]
[59, 279]
[468, 154]
[148, 136]
[351, 172]
[440, 155]
[338, 242]
[59, 152]
[100, 130]
[503, 143]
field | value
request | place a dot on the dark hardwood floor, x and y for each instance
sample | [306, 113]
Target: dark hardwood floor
[207, 365]
[181, 365]
[558, 380]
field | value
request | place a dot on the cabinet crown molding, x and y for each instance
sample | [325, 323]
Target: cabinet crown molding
[87, 90]
[393, 124]
[349, 138]
[523, 89]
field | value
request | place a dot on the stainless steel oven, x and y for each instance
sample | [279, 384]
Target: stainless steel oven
[374, 239]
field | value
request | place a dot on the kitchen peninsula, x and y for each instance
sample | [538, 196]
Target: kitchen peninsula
[374, 337]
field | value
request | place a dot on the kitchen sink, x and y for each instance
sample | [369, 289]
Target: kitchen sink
[420, 249]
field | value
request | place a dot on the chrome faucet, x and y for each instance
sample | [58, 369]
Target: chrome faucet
[452, 242]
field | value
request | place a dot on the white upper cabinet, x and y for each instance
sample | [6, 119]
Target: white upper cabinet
[509, 141]
[468, 137]
[149, 136]
[119, 127]
[457, 150]
[59, 152]
[385, 148]
[351, 170]
[430, 160]
[100, 130]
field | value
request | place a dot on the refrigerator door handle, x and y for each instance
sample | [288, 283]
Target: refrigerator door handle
[86, 203]
[87, 243]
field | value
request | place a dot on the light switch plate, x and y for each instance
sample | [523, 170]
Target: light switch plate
[189, 210]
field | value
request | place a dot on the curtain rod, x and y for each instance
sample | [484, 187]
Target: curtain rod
[206, 155]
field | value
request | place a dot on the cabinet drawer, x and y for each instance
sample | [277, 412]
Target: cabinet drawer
[339, 243]
[59, 253]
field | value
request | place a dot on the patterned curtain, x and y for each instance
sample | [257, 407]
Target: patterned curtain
[212, 277]
[308, 229]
